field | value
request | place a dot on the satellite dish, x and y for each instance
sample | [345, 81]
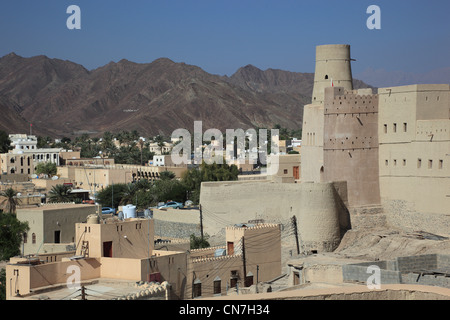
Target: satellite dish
[55, 178]
[120, 215]
[34, 176]
[148, 213]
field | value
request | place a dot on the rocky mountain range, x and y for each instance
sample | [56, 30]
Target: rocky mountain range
[61, 98]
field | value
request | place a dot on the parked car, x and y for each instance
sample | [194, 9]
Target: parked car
[172, 204]
[108, 210]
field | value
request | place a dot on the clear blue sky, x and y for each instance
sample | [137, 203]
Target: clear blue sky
[222, 35]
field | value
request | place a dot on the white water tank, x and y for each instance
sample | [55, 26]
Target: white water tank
[129, 211]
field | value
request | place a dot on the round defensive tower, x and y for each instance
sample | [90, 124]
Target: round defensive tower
[319, 217]
[333, 63]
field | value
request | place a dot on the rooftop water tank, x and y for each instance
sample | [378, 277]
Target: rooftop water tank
[129, 211]
[93, 219]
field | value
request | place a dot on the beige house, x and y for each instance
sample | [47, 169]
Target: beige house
[51, 226]
[252, 254]
[157, 150]
[73, 158]
[95, 178]
[113, 249]
[121, 250]
[285, 168]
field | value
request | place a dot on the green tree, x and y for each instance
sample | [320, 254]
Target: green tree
[5, 142]
[44, 142]
[142, 193]
[193, 178]
[65, 143]
[167, 175]
[3, 284]
[48, 168]
[166, 190]
[111, 195]
[10, 201]
[60, 193]
[159, 140]
[11, 235]
[128, 194]
[107, 144]
[198, 242]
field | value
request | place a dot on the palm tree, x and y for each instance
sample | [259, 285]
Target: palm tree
[11, 201]
[128, 194]
[60, 193]
[167, 175]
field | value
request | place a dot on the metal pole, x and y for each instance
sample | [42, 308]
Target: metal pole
[243, 260]
[201, 226]
[294, 223]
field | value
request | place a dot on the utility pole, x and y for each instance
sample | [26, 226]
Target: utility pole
[243, 259]
[257, 277]
[201, 225]
[112, 196]
[294, 225]
[83, 293]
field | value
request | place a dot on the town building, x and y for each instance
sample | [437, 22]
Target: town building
[158, 149]
[52, 226]
[124, 250]
[252, 254]
[25, 155]
[167, 161]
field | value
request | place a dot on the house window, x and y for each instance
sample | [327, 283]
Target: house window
[430, 164]
[419, 163]
[285, 171]
[386, 162]
[33, 238]
[395, 162]
[441, 164]
[25, 237]
[404, 162]
[385, 128]
[395, 127]
[405, 127]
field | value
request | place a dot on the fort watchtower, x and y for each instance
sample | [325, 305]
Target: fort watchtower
[333, 65]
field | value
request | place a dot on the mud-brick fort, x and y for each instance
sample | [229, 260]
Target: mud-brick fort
[367, 158]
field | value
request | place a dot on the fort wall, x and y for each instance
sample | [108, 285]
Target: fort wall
[351, 143]
[320, 208]
[414, 160]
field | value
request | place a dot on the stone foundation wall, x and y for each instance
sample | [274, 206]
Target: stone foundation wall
[401, 214]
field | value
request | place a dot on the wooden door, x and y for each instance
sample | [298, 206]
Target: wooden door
[107, 249]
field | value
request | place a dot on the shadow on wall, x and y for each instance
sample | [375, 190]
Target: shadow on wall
[340, 195]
